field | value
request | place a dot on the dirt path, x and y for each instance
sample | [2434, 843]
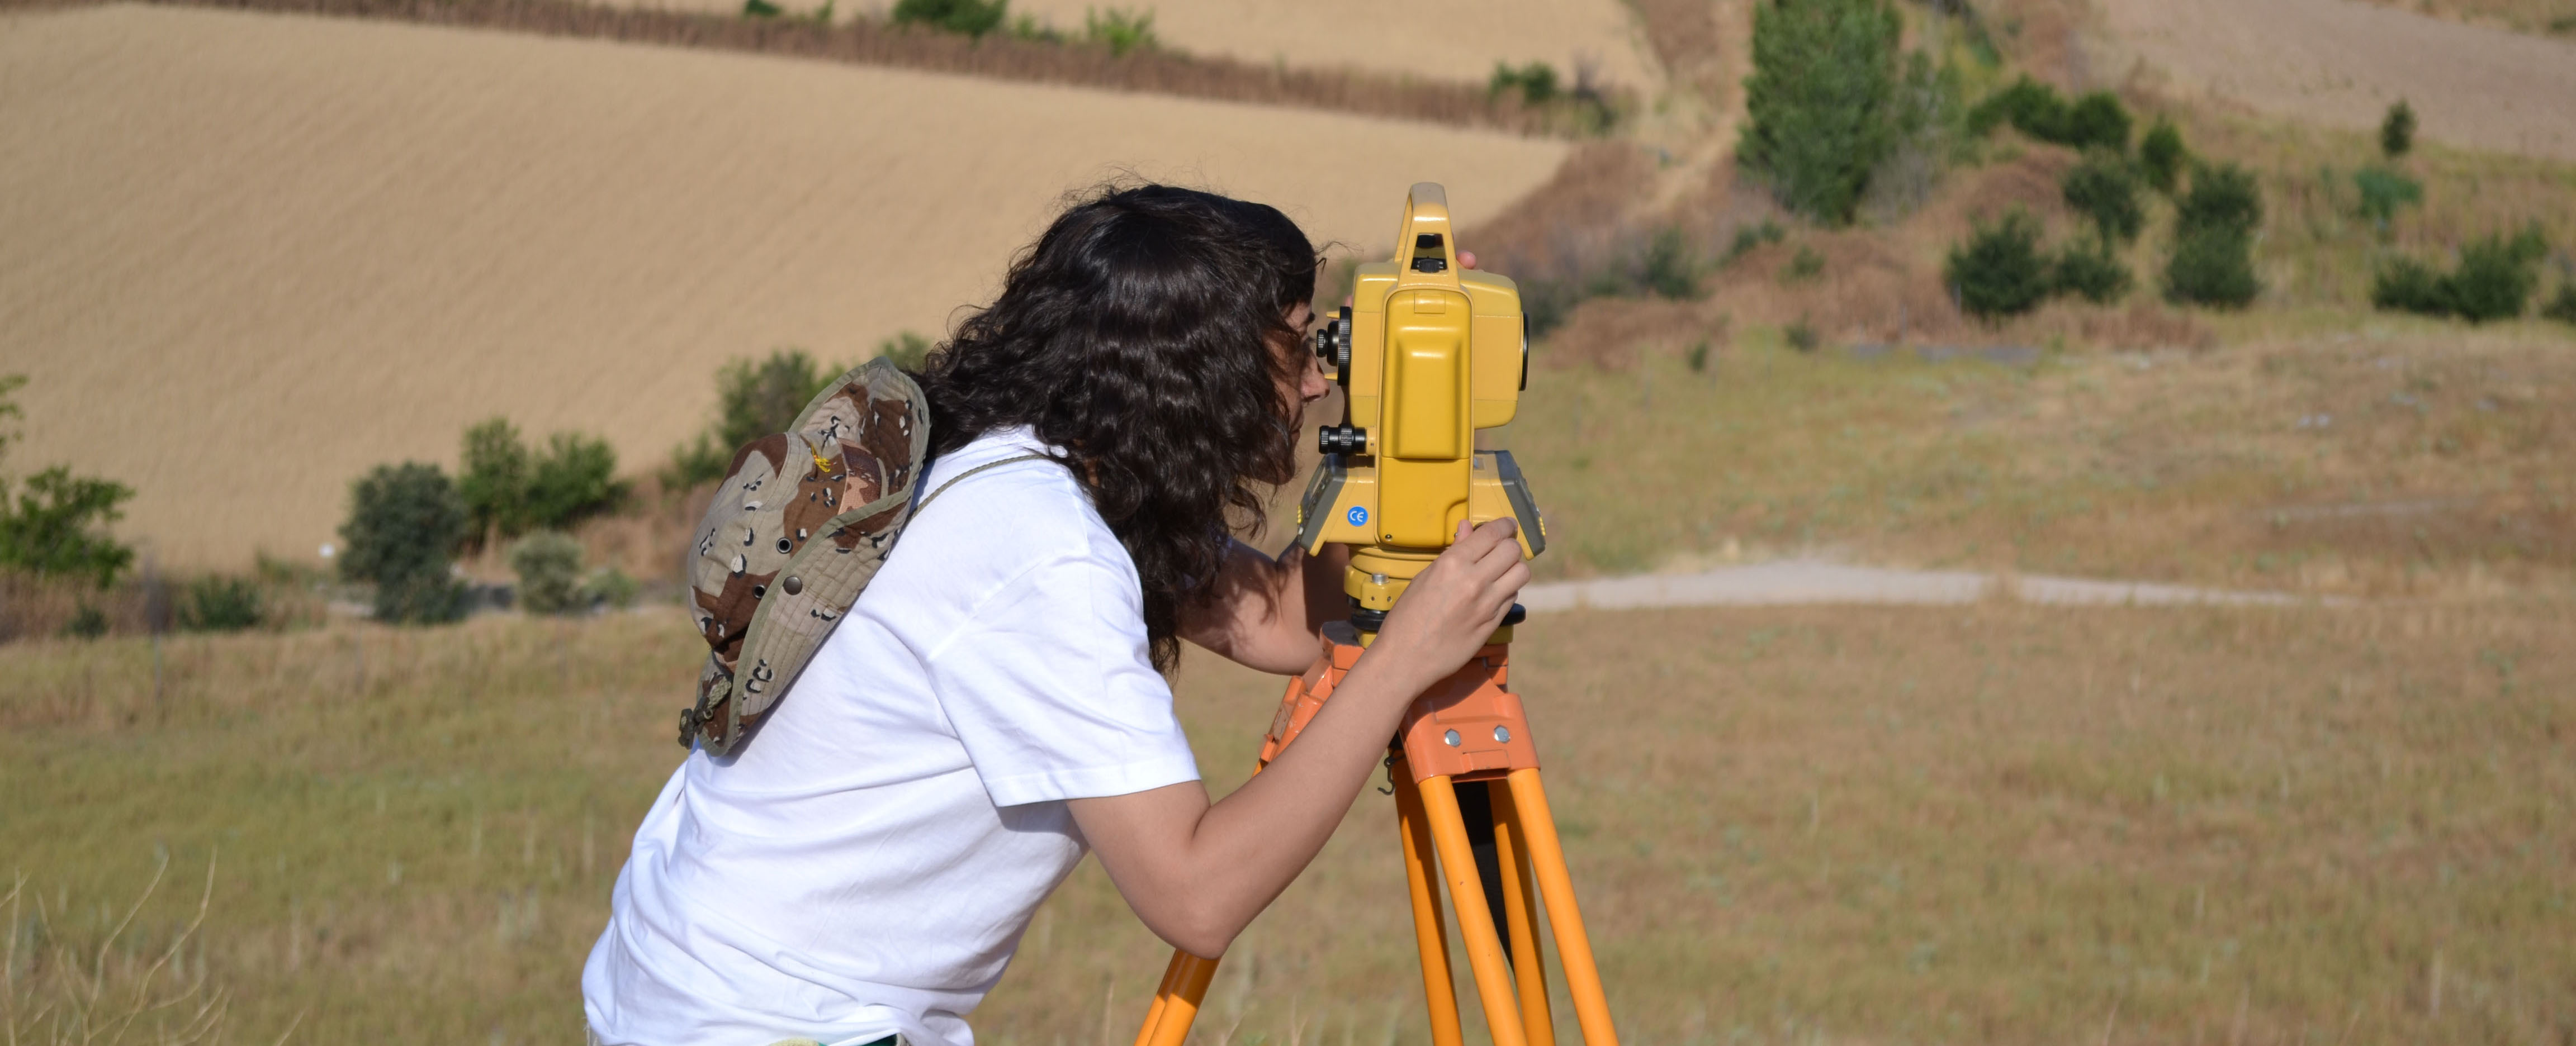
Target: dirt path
[2341, 62]
[246, 257]
[1808, 581]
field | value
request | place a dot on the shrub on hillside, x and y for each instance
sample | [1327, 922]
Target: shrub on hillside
[2407, 285]
[1535, 82]
[970, 17]
[2496, 275]
[509, 490]
[2104, 189]
[1748, 237]
[2382, 192]
[2214, 225]
[2095, 121]
[217, 603]
[2397, 130]
[754, 398]
[548, 563]
[2089, 270]
[909, 352]
[405, 521]
[1118, 29]
[2098, 121]
[1821, 103]
[1999, 272]
[55, 523]
[2562, 307]
[1670, 267]
[2161, 155]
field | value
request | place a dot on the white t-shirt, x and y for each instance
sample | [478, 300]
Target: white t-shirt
[867, 863]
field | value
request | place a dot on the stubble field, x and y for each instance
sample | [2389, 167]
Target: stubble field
[246, 257]
[1991, 824]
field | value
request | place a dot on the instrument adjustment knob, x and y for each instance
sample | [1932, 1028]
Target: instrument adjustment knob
[1341, 439]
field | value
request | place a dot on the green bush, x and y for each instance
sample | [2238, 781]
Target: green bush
[970, 17]
[1802, 335]
[2382, 192]
[2397, 130]
[761, 9]
[548, 563]
[2223, 196]
[2098, 121]
[2105, 190]
[2214, 225]
[1803, 266]
[2213, 266]
[1117, 28]
[1999, 271]
[610, 586]
[55, 524]
[908, 351]
[2161, 156]
[2408, 285]
[754, 398]
[509, 490]
[405, 521]
[221, 604]
[87, 622]
[2496, 275]
[1821, 103]
[2090, 270]
[2562, 307]
[1535, 82]
[2030, 106]
[1670, 267]
[1748, 237]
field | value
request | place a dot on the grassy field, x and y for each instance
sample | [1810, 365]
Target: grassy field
[1998, 824]
[385, 233]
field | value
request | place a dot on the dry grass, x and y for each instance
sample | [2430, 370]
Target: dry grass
[2389, 458]
[2553, 17]
[1998, 824]
[389, 232]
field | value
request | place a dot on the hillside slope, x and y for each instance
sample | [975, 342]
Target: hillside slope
[2340, 63]
[246, 257]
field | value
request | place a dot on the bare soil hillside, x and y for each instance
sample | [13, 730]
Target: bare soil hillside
[246, 257]
[2340, 63]
[1443, 39]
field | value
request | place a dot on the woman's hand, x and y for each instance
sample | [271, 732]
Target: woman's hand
[1449, 612]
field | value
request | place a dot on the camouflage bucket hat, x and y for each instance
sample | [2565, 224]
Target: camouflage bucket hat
[801, 523]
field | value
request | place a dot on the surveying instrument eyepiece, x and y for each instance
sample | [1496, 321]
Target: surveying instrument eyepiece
[1427, 354]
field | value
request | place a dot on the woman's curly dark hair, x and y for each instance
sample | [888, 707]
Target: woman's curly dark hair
[1136, 334]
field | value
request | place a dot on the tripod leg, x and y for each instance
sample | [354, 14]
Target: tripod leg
[1430, 935]
[1520, 908]
[1475, 920]
[1556, 887]
[1176, 1003]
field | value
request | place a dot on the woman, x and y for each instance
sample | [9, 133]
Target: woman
[996, 702]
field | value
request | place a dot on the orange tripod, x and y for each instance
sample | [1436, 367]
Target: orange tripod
[1471, 813]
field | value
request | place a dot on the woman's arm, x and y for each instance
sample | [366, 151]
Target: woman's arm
[1264, 612]
[1197, 873]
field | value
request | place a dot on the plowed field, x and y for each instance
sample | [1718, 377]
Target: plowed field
[246, 257]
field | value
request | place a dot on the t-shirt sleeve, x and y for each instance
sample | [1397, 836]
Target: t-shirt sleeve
[1052, 692]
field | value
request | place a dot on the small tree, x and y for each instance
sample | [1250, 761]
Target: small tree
[1535, 82]
[494, 482]
[2214, 225]
[969, 17]
[56, 523]
[1820, 105]
[2090, 270]
[1117, 28]
[2397, 130]
[754, 398]
[405, 521]
[2496, 275]
[575, 480]
[1999, 272]
[548, 563]
[2103, 188]
[2098, 121]
[2161, 155]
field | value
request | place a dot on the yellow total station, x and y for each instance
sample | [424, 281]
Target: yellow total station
[1426, 353]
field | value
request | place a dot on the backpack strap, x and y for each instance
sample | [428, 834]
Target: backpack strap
[961, 477]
